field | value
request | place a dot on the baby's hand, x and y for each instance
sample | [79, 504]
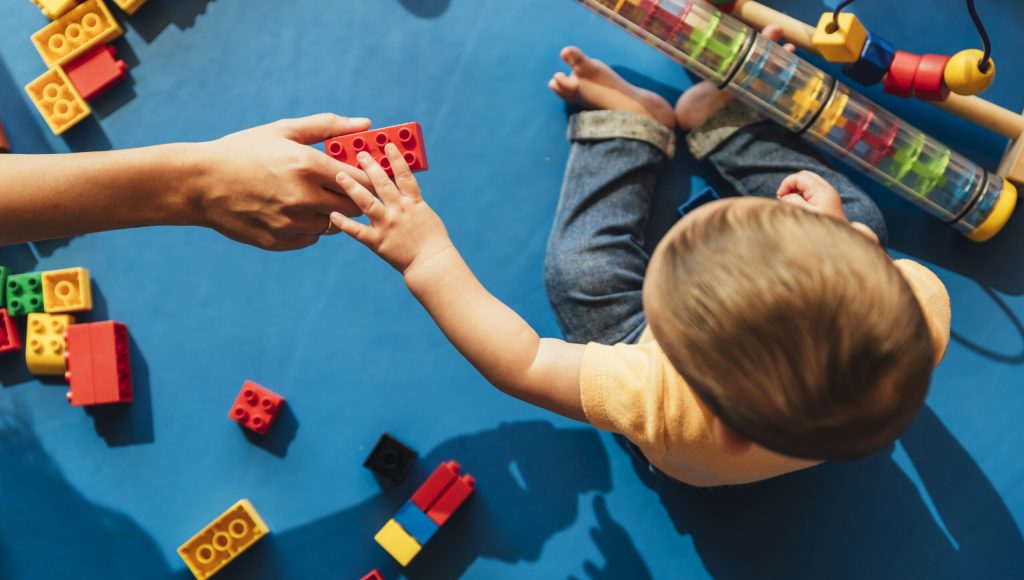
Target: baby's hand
[811, 192]
[403, 229]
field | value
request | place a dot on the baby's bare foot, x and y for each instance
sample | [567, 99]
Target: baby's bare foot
[704, 98]
[594, 85]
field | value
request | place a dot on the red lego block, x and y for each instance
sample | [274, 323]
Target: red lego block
[5, 144]
[408, 138]
[900, 80]
[435, 485]
[256, 407]
[99, 365]
[96, 71]
[374, 575]
[452, 498]
[9, 337]
[929, 79]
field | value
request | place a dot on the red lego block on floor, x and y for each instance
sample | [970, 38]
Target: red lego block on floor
[256, 407]
[451, 499]
[96, 71]
[435, 485]
[9, 338]
[374, 575]
[408, 138]
[99, 365]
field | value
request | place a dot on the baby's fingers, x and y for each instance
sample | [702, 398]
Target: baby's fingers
[366, 201]
[355, 230]
[404, 178]
[382, 183]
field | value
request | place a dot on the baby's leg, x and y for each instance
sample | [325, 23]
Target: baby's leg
[595, 262]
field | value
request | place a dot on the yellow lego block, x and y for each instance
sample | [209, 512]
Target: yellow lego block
[90, 24]
[397, 542]
[223, 540]
[129, 6]
[54, 9]
[45, 343]
[67, 290]
[57, 100]
[842, 44]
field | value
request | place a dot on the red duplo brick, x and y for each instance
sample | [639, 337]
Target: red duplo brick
[99, 364]
[435, 485]
[256, 407]
[9, 337]
[451, 499]
[374, 575]
[96, 71]
[408, 138]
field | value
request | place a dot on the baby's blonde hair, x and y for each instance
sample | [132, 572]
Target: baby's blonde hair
[798, 332]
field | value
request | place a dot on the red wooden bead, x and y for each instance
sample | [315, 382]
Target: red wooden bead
[929, 80]
[900, 80]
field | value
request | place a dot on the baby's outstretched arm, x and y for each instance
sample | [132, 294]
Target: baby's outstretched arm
[407, 234]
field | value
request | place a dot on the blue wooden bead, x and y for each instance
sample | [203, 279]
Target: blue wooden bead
[873, 63]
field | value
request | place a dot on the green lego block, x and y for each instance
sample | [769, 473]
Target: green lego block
[24, 293]
[4, 271]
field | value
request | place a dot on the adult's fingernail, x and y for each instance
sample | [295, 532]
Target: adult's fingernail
[359, 120]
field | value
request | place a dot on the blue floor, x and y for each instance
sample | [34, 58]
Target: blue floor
[112, 494]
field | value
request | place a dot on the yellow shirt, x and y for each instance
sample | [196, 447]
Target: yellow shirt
[633, 389]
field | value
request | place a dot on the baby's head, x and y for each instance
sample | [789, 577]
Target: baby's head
[794, 329]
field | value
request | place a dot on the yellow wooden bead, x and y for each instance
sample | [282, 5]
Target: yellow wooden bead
[962, 74]
[842, 44]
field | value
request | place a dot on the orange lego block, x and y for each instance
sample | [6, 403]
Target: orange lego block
[89, 25]
[233, 532]
[67, 290]
[54, 9]
[129, 6]
[46, 344]
[57, 100]
[843, 43]
[99, 365]
[80, 368]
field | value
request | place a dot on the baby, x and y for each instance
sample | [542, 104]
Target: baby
[762, 336]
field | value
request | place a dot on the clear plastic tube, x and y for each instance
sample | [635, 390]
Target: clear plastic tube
[801, 97]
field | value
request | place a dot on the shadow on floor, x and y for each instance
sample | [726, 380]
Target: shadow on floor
[426, 8]
[153, 18]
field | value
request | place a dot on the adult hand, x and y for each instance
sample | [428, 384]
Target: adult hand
[267, 187]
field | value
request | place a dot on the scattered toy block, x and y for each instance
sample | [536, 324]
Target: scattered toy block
[929, 81]
[435, 485]
[5, 143]
[900, 79]
[129, 6]
[99, 364]
[57, 100]
[233, 532]
[873, 64]
[24, 293]
[256, 407]
[54, 9]
[373, 575]
[707, 196]
[10, 340]
[963, 74]
[46, 343]
[67, 290]
[88, 25]
[390, 459]
[4, 271]
[453, 497]
[416, 523]
[96, 71]
[408, 138]
[843, 43]
[402, 547]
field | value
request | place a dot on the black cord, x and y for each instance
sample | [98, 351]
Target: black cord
[986, 60]
[839, 10]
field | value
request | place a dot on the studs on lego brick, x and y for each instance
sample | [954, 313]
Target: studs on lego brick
[255, 407]
[382, 139]
[390, 459]
[24, 294]
[66, 290]
[408, 138]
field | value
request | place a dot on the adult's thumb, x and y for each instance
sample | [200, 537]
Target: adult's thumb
[316, 128]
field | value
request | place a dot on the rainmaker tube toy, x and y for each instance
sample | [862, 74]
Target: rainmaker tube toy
[802, 98]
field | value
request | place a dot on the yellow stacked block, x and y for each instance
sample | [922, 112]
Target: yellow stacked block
[45, 343]
[54, 9]
[843, 43]
[397, 542]
[129, 6]
[222, 541]
[67, 290]
[57, 100]
[89, 25]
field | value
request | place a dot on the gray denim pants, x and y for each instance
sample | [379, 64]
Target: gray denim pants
[595, 263]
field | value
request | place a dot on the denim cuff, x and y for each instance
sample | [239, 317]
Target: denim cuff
[721, 125]
[603, 125]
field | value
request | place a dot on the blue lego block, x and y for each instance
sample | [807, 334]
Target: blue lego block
[707, 196]
[415, 522]
[874, 61]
